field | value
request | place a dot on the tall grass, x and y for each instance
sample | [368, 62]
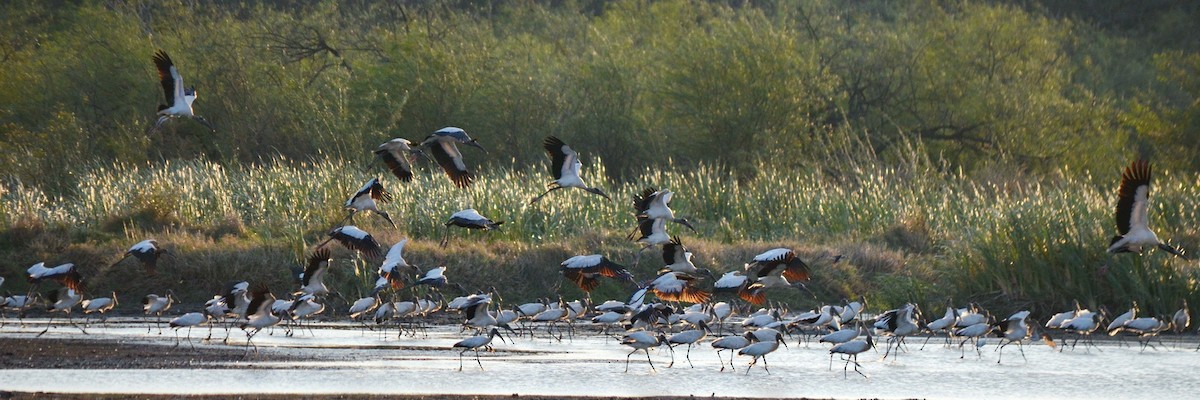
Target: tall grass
[909, 234]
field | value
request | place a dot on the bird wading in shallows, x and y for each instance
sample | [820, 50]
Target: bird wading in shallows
[1133, 205]
[178, 98]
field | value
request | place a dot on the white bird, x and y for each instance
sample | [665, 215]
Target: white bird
[1115, 325]
[652, 204]
[584, 271]
[260, 314]
[1133, 204]
[304, 307]
[355, 239]
[63, 300]
[312, 281]
[367, 198]
[730, 343]
[944, 324]
[972, 333]
[651, 232]
[179, 99]
[839, 337]
[564, 166]
[435, 277]
[100, 305]
[851, 310]
[188, 320]
[1084, 323]
[65, 274]
[1013, 330]
[470, 219]
[760, 350]
[146, 251]
[474, 343]
[850, 351]
[442, 145]
[778, 268]
[18, 303]
[1057, 320]
[397, 155]
[363, 306]
[688, 337]
[394, 265]
[156, 305]
[898, 324]
[1182, 318]
[642, 340]
[739, 283]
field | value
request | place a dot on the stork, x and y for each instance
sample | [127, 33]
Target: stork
[944, 324]
[435, 277]
[156, 305]
[850, 351]
[63, 300]
[642, 340]
[1013, 330]
[688, 337]
[259, 314]
[1182, 318]
[355, 239]
[678, 259]
[584, 271]
[760, 350]
[394, 264]
[730, 343]
[651, 232]
[470, 219]
[1133, 204]
[178, 98]
[397, 155]
[100, 305]
[188, 320]
[304, 307]
[678, 286]
[442, 145]
[312, 281]
[146, 251]
[564, 166]
[652, 204]
[898, 323]
[366, 199]
[737, 282]
[474, 343]
[65, 274]
[18, 303]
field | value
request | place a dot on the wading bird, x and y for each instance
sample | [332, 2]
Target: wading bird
[442, 145]
[178, 98]
[652, 204]
[474, 343]
[157, 305]
[146, 251]
[688, 337]
[366, 198]
[850, 351]
[188, 320]
[1133, 204]
[100, 305]
[642, 340]
[397, 155]
[1013, 330]
[564, 166]
[584, 271]
[898, 323]
[470, 219]
[731, 343]
[63, 300]
[260, 314]
[760, 350]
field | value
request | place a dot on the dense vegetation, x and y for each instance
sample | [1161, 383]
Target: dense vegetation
[952, 148]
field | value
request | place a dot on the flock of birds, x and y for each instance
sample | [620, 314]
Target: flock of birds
[647, 323]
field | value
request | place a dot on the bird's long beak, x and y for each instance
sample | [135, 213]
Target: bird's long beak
[476, 145]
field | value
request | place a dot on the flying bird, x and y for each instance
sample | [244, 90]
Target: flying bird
[146, 251]
[366, 199]
[394, 264]
[442, 145]
[355, 239]
[585, 271]
[564, 166]
[1133, 204]
[469, 219]
[652, 204]
[397, 155]
[178, 98]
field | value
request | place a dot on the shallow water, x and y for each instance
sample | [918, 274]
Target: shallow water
[346, 360]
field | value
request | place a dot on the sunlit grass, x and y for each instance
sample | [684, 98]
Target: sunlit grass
[910, 235]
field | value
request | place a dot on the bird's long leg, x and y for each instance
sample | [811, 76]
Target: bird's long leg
[1021, 347]
[846, 367]
[552, 188]
[176, 337]
[765, 365]
[856, 365]
[831, 361]
[926, 342]
[627, 359]
[189, 337]
[477, 359]
[47, 326]
[752, 362]
[688, 355]
[1001, 349]
[721, 360]
[648, 359]
[460, 357]
[672, 364]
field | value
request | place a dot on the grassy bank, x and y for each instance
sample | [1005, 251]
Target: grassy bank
[909, 234]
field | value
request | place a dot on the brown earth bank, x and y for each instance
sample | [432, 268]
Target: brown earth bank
[117, 354]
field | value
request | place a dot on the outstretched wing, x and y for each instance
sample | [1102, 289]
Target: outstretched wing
[1133, 197]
